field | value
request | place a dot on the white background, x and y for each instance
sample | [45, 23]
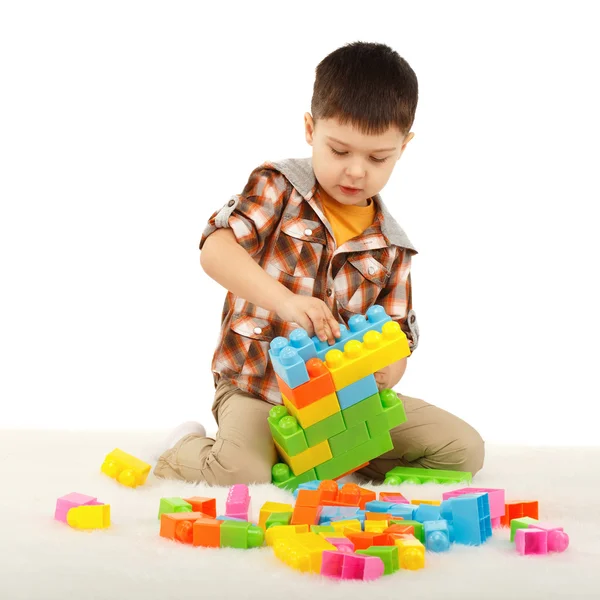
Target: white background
[124, 125]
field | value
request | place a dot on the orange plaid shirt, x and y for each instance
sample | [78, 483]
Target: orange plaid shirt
[278, 219]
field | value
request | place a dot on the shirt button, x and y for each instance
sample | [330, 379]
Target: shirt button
[329, 291]
[257, 330]
[308, 232]
[371, 270]
[231, 203]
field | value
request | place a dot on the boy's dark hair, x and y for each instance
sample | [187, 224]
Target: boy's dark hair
[368, 85]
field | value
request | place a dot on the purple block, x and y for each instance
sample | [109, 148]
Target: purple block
[66, 503]
[531, 541]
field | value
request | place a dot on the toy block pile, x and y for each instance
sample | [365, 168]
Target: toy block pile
[334, 419]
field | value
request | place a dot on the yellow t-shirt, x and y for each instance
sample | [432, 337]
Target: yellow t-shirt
[347, 221]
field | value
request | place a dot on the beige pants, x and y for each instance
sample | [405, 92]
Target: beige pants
[243, 450]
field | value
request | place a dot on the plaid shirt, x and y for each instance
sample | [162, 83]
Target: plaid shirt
[278, 219]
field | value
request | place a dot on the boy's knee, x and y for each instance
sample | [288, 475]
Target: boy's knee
[470, 452]
[233, 464]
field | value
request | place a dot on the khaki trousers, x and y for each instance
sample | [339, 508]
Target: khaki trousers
[243, 450]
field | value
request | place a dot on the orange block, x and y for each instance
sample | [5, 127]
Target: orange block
[350, 493]
[329, 489]
[365, 539]
[366, 496]
[207, 533]
[336, 503]
[398, 529]
[208, 506]
[517, 510]
[373, 516]
[305, 515]
[319, 385]
[309, 497]
[178, 526]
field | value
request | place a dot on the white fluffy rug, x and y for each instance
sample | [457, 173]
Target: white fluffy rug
[45, 559]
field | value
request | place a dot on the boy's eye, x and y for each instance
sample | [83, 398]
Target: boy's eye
[377, 160]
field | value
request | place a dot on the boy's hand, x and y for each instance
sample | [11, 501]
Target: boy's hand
[311, 314]
[389, 376]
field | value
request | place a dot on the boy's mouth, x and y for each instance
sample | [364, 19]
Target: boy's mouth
[349, 190]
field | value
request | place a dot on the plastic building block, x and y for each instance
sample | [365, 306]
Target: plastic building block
[377, 516]
[361, 359]
[393, 414]
[65, 503]
[314, 484]
[518, 509]
[268, 508]
[426, 512]
[207, 506]
[411, 553]
[558, 540]
[174, 505]
[354, 469]
[278, 519]
[357, 391]
[399, 475]
[358, 325]
[280, 531]
[319, 385]
[363, 410]
[228, 518]
[243, 535]
[342, 544]
[496, 498]
[284, 479]
[238, 501]
[325, 429]
[179, 526]
[309, 459]
[350, 438]
[388, 554]
[337, 513]
[437, 535]
[376, 526]
[309, 498]
[301, 341]
[322, 529]
[303, 551]
[342, 464]
[286, 431]
[125, 468]
[376, 506]
[89, 516]
[308, 515]
[344, 565]
[343, 526]
[430, 502]
[470, 518]
[313, 413]
[329, 489]
[531, 541]
[404, 511]
[287, 363]
[419, 530]
[522, 523]
[395, 497]
[350, 494]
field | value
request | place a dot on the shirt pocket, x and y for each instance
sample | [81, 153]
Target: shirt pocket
[300, 248]
[359, 284]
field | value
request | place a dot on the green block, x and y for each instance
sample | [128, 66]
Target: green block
[280, 518]
[239, 534]
[363, 410]
[399, 475]
[283, 478]
[393, 408]
[417, 527]
[351, 438]
[322, 529]
[173, 505]
[338, 465]
[377, 425]
[522, 523]
[286, 431]
[324, 429]
[388, 554]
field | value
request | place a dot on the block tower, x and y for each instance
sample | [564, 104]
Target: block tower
[333, 419]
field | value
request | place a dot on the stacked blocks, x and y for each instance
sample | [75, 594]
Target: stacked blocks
[334, 420]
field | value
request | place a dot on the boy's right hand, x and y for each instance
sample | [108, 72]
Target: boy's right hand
[311, 314]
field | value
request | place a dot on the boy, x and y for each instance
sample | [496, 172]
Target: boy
[309, 243]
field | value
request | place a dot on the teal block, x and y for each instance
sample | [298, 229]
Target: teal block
[339, 465]
[286, 431]
[363, 410]
[324, 429]
[351, 438]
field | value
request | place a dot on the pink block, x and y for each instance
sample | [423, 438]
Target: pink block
[395, 497]
[496, 522]
[496, 497]
[558, 540]
[342, 544]
[531, 541]
[238, 501]
[66, 503]
[342, 565]
[332, 563]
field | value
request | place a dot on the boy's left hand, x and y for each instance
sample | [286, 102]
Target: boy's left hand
[388, 377]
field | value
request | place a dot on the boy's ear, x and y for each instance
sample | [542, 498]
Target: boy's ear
[407, 139]
[309, 128]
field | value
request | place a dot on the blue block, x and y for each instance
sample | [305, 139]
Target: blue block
[337, 513]
[437, 536]
[405, 511]
[427, 512]
[471, 519]
[446, 509]
[287, 363]
[358, 325]
[309, 485]
[357, 391]
[300, 340]
[378, 506]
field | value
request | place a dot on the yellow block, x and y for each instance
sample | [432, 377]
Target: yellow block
[272, 507]
[377, 350]
[292, 553]
[281, 531]
[411, 552]
[308, 459]
[125, 468]
[315, 545]
[351, 524]
[89, 517]
[376, 526]
[315, 412]
[432, 502]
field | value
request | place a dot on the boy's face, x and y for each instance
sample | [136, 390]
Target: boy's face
[343, 158]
